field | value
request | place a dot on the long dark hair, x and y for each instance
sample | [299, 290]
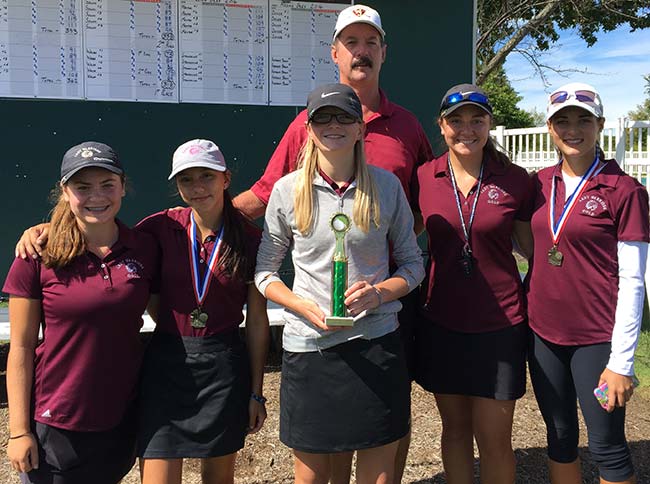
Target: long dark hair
[234, 259]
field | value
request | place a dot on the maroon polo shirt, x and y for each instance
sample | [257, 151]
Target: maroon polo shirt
[492, 297]
[394, 141]
[87, 367]
[574, 304]
[226, 295]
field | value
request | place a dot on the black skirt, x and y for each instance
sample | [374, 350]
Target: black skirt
[489, 365]
[355, 395]
[194, 397]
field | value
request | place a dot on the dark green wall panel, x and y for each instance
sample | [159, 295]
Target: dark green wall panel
[429, 49]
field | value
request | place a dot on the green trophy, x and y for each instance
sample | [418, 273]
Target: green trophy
[340, 224]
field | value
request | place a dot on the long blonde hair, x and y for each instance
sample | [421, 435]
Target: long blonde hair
[366, 197]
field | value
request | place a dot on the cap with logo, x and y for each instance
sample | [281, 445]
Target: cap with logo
[89, 154]
[356, 14]
[197, 153]
[576, 94]
[462, 95]
[334, 95]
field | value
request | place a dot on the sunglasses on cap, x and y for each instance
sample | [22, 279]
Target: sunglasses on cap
[457, 97]
[325, 118]
[583, 96]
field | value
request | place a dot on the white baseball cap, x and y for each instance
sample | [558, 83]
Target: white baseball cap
[576, 94]
[197, 153]
[356, 14]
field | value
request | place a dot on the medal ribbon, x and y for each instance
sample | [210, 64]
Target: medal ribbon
[201, 287]
[466, 228]
[556, 228]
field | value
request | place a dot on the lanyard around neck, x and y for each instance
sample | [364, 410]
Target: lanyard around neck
[466, 227]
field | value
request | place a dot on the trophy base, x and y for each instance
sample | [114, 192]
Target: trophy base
[339, 321]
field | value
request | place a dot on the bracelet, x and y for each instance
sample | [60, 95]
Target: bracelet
[19, 436]
[379, 296]
[258, 398]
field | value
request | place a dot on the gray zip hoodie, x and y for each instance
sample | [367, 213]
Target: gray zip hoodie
[368, 256]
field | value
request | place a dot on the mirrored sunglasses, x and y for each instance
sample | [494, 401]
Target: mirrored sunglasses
[581, 95]
[457, 97]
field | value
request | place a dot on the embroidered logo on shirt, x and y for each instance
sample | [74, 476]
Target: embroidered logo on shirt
[46, 414]
[495, 194]
[134, 268]
[592, 205]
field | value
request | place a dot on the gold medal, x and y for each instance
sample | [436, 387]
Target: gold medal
[555, 257]
[198, 318]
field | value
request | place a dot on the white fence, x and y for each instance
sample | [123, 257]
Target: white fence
[627, 141]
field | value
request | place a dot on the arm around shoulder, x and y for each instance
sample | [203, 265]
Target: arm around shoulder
[249, 205]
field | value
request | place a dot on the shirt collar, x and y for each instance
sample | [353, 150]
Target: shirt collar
[607, 176]
[319, 181]
[182, 216]
[126, 236]
[126, 239]
[385, 110]
[340, 190]
[492, 167]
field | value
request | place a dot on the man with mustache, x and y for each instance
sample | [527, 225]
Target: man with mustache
[394, 140]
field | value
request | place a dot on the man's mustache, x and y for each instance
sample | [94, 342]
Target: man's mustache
[362, 61]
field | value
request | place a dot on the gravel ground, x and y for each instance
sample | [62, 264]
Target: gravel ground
[265, 460]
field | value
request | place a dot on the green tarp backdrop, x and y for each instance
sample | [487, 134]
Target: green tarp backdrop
[430, 47]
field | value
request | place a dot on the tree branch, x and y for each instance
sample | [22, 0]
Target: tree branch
[500, 56]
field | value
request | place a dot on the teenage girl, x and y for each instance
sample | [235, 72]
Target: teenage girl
[471, 340]
[71, 397]
[586, 289]
[201, 389]
[342, 389]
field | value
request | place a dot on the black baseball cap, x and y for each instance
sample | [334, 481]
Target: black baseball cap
[87, 154]
[334, 95]
[463, 94]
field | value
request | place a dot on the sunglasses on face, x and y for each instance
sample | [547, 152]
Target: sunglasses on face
[457, 97]
[326, 118]
[582, 96]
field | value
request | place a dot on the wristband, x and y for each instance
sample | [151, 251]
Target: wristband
[379, 296]
[19, 436]
[258, 398]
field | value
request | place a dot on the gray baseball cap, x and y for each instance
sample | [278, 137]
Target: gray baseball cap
[197, 153]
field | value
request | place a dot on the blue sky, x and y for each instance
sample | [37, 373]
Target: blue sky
[616, 65]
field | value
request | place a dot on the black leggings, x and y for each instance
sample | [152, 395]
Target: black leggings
[559, 375]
